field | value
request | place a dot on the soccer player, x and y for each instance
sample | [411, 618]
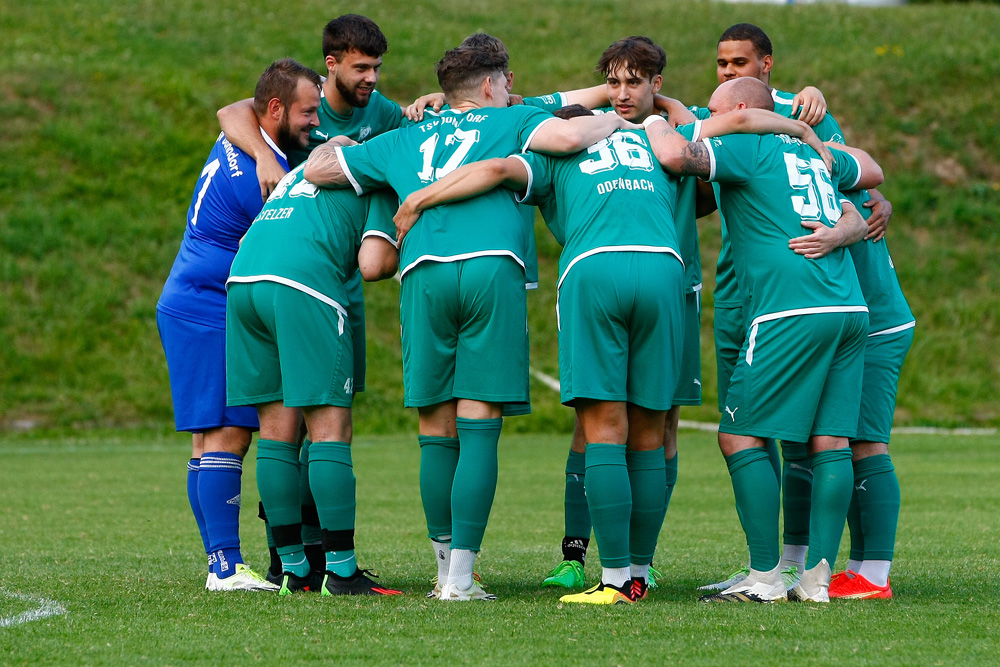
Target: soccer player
[874, 511]
[191, 316]
[798, 376]
[289, 353]
[620, 337]
[744, 50]
[462, 302]
[350, 106]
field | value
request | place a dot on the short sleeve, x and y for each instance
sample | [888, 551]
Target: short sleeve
[550, 102]
[366, 165]
[846, 170]
[539, 187]
[527, 122]
[733, 157]
[382, 206]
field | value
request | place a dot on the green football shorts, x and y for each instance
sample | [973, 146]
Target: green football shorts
[688, 390]
[884, 359]
[798, 376]
[730, 331]
[621, 328]
[465, 332]
[284, 345]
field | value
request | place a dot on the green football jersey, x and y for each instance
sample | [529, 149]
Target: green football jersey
[378, 116]
[769, 184]
[415, 156]
[551, 102]
[308, 237]
[888, 309]
[727, 289]
[827, 129]
[612, 197]
[686, 220]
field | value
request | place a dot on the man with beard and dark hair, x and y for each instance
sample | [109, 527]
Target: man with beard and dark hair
[191, 316]
[353, 46]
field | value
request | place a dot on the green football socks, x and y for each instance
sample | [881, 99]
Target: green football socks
[334, 487]
[278, 482]
[671, 480]
[877, 490]
[796, 492]
[577, 519]
[609, 497]
[757, 500]
[475, 482]
[438, 459]
[831, 496]
[647, 479]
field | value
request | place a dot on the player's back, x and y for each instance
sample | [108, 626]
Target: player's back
[614, 195]
[415, 156]
[225, 201]
[782, 183]
[307, 234]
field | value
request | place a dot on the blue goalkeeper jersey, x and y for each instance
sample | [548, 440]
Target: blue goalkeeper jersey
[225, 202]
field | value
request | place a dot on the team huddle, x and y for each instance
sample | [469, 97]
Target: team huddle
[317, 184]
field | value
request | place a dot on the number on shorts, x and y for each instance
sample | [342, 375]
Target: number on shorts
[349, 386]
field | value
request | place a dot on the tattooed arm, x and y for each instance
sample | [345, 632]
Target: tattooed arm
[676, 154]
[323, 167]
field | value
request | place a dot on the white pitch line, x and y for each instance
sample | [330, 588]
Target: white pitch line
[713, 427]
[45, 609]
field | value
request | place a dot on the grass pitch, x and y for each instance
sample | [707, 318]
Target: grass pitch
[99, 527]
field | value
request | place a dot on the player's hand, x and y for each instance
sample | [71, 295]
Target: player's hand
[269, 172]
[513, 99]
[628, 125]
[810, 138]
[415, 112]
[881, 214]
[677, 113]
[821, 242]
[405, 218]
[810, 104]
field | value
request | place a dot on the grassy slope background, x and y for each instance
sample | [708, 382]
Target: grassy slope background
[108, 114]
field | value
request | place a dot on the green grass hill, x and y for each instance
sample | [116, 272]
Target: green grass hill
[107, 112]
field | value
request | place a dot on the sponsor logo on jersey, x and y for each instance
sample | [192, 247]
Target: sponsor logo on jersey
[322, 135]
[364, 132]
[732, 413]
[231, 155]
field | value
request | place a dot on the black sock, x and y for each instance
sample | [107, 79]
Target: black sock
[575, 548]
[316, 557]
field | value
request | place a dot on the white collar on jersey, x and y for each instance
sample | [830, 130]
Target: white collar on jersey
[274, 146]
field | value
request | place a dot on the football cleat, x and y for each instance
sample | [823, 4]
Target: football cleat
[291, 583]
[452, 593]
[852, 586]
[757, 586]
[733, 579]
[640, 589]
[359, 583]
[244, 579]
[435, 592]
[274, 577]
[814, 584]
[654, 577]
[567, 574]
[603, 594]
[790, 576]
